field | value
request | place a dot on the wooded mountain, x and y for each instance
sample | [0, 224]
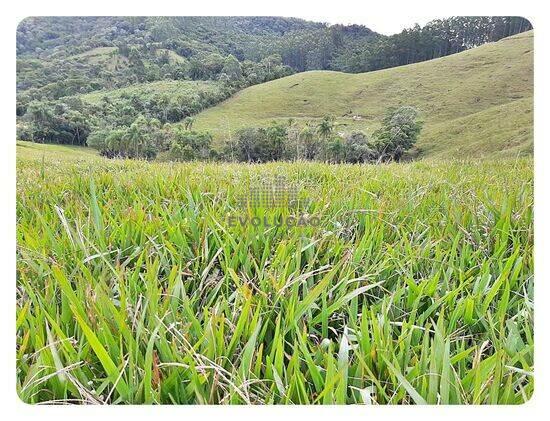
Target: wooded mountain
[61, 56]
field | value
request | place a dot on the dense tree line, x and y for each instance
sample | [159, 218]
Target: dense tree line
[144, 138]
[47, 122]
[320, 141]
[148, 138]
[438, 38]
[70, 120]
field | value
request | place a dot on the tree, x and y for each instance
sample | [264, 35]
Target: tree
[274, 143]
[143, 139]
[206, 66]
[336, 150]
[245, 144]
[232, 68]
[255, 144]
[77, 124]
[107, 141]
[56, 123]
[41, 118]
[311, 144]
[399, 132]
[357, 148]
[190, 145]
[188, 123]
[293, 140]
[326, 127]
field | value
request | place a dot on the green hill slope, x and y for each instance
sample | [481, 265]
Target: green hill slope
[187, 88]
[40, 151]
[475, 103]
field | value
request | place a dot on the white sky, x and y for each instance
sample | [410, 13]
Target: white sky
[385, 24]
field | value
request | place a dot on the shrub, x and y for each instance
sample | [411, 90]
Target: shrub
[143, 139]
[258, 144]
[399, 132]
[189, 145]
[357, 148]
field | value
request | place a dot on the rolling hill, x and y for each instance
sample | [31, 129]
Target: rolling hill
[476, 103]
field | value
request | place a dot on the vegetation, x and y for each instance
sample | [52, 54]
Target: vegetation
[73, 119]
[399, 131]
[161, 282]
[478, 103]
[416, 287]
[55, 123]
[438, 38]
[190, 145]
[195, 95]
[459, 98]
[133, 132]
[174, 67]
[143, 139]
[60, 56]
[276, 142]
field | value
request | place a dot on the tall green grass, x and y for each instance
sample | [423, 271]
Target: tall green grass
[417, 287]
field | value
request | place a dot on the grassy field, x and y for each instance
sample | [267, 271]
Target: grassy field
[174, 57]
[188, 88]
[49, 152]
[133, 287]
[112, 60]
[475, 103]
[106, 57]
[103, 52]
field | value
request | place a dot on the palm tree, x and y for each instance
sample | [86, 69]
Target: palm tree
[188, 123]
[325, 129]
[133, 137]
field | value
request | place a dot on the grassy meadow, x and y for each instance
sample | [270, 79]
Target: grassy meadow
[132, 287]
[475, 103]
[172, 87]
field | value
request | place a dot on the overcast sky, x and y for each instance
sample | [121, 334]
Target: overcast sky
[387, 25]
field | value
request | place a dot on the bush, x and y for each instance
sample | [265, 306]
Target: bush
[358, 148]
[189, 145]
[258, 144]
[143, 139]
[399, 132]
